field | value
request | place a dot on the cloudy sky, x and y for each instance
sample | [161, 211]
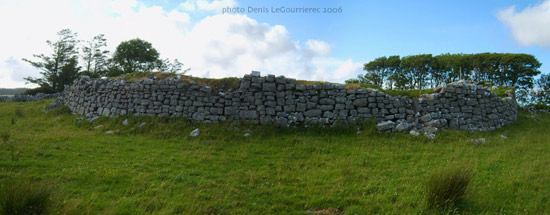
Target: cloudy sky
[313, 46]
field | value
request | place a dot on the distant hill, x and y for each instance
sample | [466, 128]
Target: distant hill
[12, 91]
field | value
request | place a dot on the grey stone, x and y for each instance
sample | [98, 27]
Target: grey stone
[195, 133]
[385, 126]
[125, 122]
[479, 141]
[313, 113]
[255, 74]
[414, 133]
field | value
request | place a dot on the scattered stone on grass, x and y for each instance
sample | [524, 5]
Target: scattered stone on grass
[195, 133]
[479, 141]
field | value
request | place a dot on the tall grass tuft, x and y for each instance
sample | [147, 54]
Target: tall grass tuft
[19, 112]
[446, 188]
[24, 198]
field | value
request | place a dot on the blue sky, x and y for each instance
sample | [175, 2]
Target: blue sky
[369, 29]
[330, 47]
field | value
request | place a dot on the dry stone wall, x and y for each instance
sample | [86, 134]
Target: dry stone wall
[280, 100]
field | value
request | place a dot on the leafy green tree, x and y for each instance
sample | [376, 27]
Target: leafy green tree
[95, 57]
[377, 71]
[172, 67]
[520, 69]
[61, 67]
[136, 55]
[541, 91]
[418, 68]
[393, 66]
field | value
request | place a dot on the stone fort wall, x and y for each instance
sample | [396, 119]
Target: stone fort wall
[280, 100]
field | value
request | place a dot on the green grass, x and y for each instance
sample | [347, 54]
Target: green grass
[501, 91]
[159, 169]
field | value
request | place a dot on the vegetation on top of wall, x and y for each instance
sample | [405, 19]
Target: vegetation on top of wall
[307, 83]
[501, 91]
[228, 83]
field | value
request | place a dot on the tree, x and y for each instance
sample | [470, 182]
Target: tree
[172, 67]
[94, 56]
[136, 55]
[541, 92]
[376, 71]
[393, 66]
[59, 69]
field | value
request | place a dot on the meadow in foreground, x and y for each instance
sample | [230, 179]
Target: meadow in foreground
[159, 169]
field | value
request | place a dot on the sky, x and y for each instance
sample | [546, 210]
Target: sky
[230, 38]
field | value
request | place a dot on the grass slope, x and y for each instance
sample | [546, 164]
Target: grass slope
[159, 169]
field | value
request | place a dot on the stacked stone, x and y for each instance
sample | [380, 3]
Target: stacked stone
[29, 98]
[282, 101]
[465, 106]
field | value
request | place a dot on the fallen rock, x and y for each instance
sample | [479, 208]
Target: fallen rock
[384, 126]
[141, 125]
[195, 133]
[125, 122]
[414, 133]
[403, 127]
[503, 137]
[247, 135]
[93, 119]
[98, 127]
[430, 135]
[109, 132]
[479, 141]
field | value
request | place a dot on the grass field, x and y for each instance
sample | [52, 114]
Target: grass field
[159, 169]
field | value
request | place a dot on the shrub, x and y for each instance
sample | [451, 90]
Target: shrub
[447, 188]
[24, 198]
[34, 91]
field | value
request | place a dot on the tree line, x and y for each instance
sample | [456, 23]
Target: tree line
[71, 58]
[427, 71]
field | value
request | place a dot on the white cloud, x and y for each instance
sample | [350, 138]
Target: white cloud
[233, 45]
[317, 47]
[217, 46]
[206, 5]
[531, 26]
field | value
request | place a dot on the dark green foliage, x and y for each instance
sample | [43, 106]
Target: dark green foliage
[446, 188]
[24, 198]
[61, 67]
[540, 106]
[541, 92]
[136, 55]
[427, 71]
[34, 91]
